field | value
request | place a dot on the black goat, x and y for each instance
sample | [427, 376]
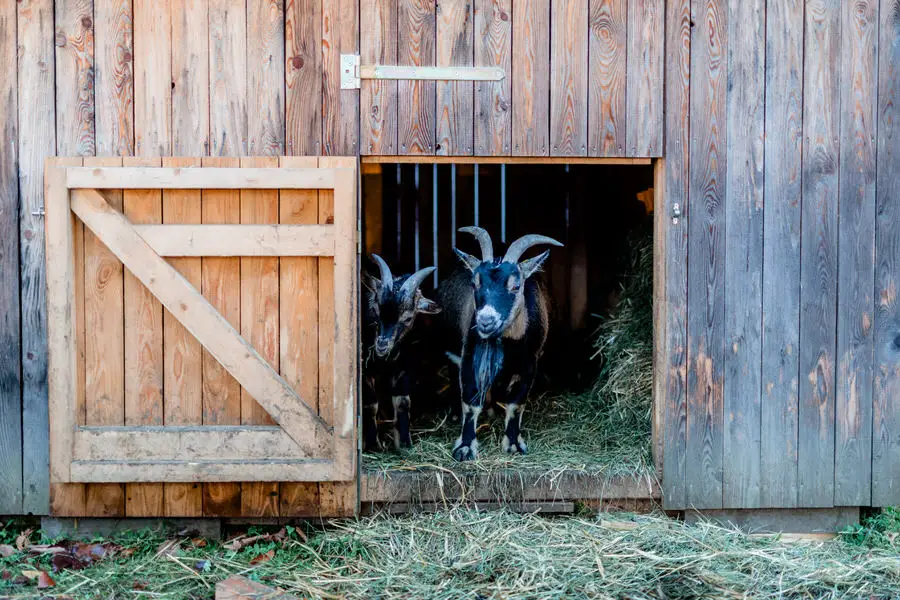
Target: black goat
[500, 314]
[390, 312]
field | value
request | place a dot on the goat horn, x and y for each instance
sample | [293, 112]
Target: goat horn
[518, 247]
[484, 240]
[415, 280]
[387, 280]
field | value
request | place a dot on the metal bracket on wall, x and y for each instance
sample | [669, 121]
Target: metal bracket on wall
[352, 72]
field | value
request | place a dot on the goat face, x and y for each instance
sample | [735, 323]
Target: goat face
[395, 302]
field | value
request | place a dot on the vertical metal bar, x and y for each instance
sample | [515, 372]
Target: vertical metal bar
[399, 212]
[416, 237]
[434, 221]
[477, 199]
[568, 186]
[453, 205]
[503, 203]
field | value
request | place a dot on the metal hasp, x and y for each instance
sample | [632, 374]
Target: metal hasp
[352, 72]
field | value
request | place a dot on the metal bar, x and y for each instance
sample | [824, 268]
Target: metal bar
[453, 206]
[434, 221]
[399, 212]
[431, 73]
[418, 198]
[477, 199]
[503, 203]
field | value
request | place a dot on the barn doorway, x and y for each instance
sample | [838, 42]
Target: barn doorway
[591, 408]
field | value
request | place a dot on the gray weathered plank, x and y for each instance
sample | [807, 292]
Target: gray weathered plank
[781, 253]
[36, 141]
[818, 268]
[454, 133]
[378, 99]
[856, 256]
[415, 99]
[493, 47]
[744, 252]
[706, 254]
[608, 51]
[531, 78]
[114, 77]
[569, 78]
[190, 78]
[75, 77]
[228, 77]
[10, 376]
[153, 78]
[265, 77]
[886, 409]
[673, 352]
[644, 121]
[303, 76]
[340, 108]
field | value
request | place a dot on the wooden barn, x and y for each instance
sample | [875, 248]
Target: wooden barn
[187, 187]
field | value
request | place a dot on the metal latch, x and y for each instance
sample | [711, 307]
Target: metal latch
[352, 72]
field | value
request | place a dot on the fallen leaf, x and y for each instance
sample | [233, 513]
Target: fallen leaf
[46, 549]
[262, 558]
[62, 562]
[6, 550]
[20, 580]
[127, 552]
[45, 581]
[31, 574]
[198, 543]
[5, 575]
[22, 541]
[139, 585]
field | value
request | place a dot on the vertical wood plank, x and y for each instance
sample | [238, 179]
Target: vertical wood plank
[415, 99]
[228, 77]
[608, 53]
[340, 108]
[744, 252]
[221, 285]
[182, 353]
[303, 80]
[75, 77]
[190, 78]
[856, 255]
[153, 77]
[569, 78]
[36, 141]
[104, 322]
[265, 77]
[886, 409]
[454, 134]
[781, 253]
[114, 77]
[10, 363]
[706, 269]
[378, 98]
[493, 47]
[644, 122]
[299, 324]
[531, 78]
[259, 325]
[818, 277]
[144, 354]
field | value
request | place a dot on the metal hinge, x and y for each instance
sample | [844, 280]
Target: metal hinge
[352, 72]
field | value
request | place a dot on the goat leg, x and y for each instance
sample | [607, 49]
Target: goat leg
[400, 398]
[466, 446]
[370, 419]
[517, 394]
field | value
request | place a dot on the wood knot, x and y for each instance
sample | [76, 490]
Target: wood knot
[86, 22]
[60, 39]
[127, 56]
[330, 220]
[504, 16]
[297, 62]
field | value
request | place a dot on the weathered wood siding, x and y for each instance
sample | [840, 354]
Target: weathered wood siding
[791, 350]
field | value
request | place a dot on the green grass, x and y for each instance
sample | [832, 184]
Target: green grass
[466, 554]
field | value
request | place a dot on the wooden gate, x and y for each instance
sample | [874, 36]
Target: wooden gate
[271, 395]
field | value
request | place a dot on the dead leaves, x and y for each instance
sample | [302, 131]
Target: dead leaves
[262, 558]
[6, 550]
[243, 541]
[45, 581]
[23, 539]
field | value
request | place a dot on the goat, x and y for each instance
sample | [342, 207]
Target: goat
[499, 313]
[390, 313]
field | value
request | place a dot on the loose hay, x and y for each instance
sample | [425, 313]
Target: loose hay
[605, 430]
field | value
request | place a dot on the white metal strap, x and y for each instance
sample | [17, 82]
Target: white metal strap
[352, 72]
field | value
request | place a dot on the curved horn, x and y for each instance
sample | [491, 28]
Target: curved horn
[484, 240]
[415, 280]
[518, 247]
[387, 280]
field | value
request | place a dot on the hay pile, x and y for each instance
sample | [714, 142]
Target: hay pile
[604, 430]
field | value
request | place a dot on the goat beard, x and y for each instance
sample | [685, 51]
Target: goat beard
[487, 361]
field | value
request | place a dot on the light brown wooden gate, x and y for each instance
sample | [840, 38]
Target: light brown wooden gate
[146, 265]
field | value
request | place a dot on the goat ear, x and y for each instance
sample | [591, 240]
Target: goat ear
[468, 261]
[533, 265]
[426, 306]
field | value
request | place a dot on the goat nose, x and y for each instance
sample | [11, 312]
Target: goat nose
[487, 318]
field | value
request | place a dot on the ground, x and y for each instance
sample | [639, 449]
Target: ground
[461, 553]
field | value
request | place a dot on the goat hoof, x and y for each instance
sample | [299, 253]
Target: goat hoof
[464, 453]
[517, 447]
[400, 442]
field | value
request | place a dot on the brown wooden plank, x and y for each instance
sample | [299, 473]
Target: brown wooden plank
[531, 78]
[378, 99]
[493, 99]
[644, 120]
[745, 112]
[265, 77]
[340, 108]
[415, 98]
[190, 78]
[75, 77]
[299, 323]
[144, 354]
[886, 410]
[113, 77]
[228, 77]
[454, 134]
[569, 78]
[818, 277]
[182, 356]
[303, 76]
[259, 326]
[706, 267]
[608, 52]
[781, 254]
[153, 78]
